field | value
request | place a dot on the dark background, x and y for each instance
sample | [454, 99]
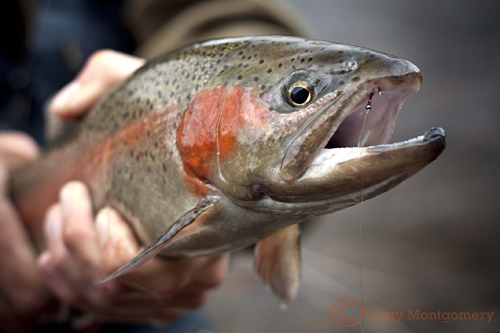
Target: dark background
[433, 242]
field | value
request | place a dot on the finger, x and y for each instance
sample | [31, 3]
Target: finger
[62, 273]
[185, 300]
[158, 275]
[54, 280]
[209, 273]
[79, 233]
[132, 315]
[20, 279]
[103, 71]
[16, 149]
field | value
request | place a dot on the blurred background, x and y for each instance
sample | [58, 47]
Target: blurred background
[429, 244]
[432, 242]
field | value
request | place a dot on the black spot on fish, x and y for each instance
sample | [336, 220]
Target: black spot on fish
[280, 64]
[261, 61]
[244, 57]
[240, 53]
[269, 70]
[240, 77]
[250, 57]
[293, 59]
[193, 77]
[340, 52]
[341, 83]
[302, 60]
[241, 64]
[354, 79]
[159, 94]
[310, 59]
[256, 78]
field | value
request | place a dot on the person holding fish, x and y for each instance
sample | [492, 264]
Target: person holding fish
[81, 248]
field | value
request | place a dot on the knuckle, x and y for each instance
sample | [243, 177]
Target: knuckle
[173, 285]
[60, 260]
[197, 301]
[74, 235]
[215, 279]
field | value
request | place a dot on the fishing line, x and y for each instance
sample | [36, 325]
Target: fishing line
[367, 110]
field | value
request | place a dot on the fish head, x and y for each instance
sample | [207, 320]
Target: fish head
[305, 125]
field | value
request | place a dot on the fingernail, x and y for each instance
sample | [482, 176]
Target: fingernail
[54, 219]
[70, 194]
[102, 227]
[63, 99]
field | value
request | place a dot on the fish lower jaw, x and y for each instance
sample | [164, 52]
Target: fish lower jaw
[330, 158]
[342, 177]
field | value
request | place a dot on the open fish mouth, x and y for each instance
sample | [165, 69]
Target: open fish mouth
[356, 157]
[360, 118]
[371, 121]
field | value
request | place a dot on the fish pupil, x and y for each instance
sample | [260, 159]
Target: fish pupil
[299, 95]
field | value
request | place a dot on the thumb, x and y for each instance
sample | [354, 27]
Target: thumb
[102, 72]
[116, 239]
[16, 149]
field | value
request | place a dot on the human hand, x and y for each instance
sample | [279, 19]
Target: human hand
[82, 251]
[23, 294]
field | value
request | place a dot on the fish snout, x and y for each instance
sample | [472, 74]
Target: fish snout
[402, 67]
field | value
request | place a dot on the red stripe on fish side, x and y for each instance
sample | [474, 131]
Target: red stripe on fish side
[197, 137]
[88, 166]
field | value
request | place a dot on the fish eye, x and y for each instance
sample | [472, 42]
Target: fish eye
[299, 94]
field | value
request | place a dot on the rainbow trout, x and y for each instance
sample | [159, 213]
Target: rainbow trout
[232, 142]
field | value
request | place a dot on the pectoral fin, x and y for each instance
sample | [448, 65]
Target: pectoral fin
[277, 261]
[148, 253]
